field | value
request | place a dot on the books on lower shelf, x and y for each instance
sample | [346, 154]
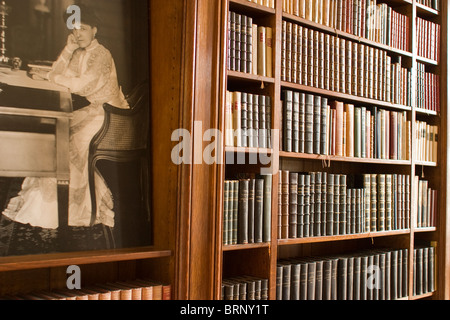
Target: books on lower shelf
[362, 18]
[248, 120]
[428, 39]
[312, 58]
[249, 46]
[378, 274]
[247, 210]
[140, 289]
[324, 204]
[424, 265]
[245, 288]
[428, 89]
[427, 137]
[427, 204]
[315, 125]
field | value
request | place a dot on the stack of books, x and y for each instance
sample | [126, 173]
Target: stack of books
[427, 204]
[245, 288]
[427, 137]
[428, 89]
[315, 59]
[428, 39]
[250, 47]
[324, 204]
[247, 210]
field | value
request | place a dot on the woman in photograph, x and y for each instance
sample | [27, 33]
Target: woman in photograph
[87, 69]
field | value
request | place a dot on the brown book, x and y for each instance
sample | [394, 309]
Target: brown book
[342, 65]
[262, 58]
[350, 129]
[269, 52]
[339, 108]
[285, 205]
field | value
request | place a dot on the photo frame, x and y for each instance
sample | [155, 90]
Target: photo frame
[74, 124]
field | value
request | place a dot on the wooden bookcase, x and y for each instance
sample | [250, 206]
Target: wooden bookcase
[260, 260]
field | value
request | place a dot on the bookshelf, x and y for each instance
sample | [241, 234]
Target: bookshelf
[261, 260]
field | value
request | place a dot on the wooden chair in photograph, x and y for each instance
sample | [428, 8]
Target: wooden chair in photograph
[123, 138]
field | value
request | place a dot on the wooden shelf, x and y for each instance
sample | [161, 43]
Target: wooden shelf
[344, 96]
[422, 296]
[284, 154]
[425, 163]
[79, 258]
[345, 35]
[249, 7]
[248, 77]
[284, 242]
[422, 9]
[427, 229]
[427, 61]
[426, 112]
[245, 246]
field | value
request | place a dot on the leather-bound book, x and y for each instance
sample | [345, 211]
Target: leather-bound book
[269, 52]
[303, 280]
[255, 49]
[370, 289]
[238, 35]
[324, 126]
[309, 123]
[296, 122]
[419, 271]
[326, 278]
[307, 207]
[294, 53]
[256, 113]
[319, 280]
[367, 188]
[334, 278]
[329, 195]
[350, 139]
[300, 205]
[405, 272]
[267, 208]
[357, 278]
[262, 143]
[388, 278]
[349, 212]
[318, 204]
[251, 210]
[357, 132]
[232, 41]
[269, 121]
[394, 275]
[262, 59]
[311, 52]
[407, 200]
[300, 55]
[287, 120]
[317, 119]
[305, 58]
[283, 50]
[388, 203]
[311, 282]
[226, 212]
[381, 194]
[237, 118]
[289, 31]
[302, 122]
[286, 282]
[295, 281]
[259, 210]
[343, 205]
[244, 120]
[321, 61]
[363, 131]
[425, 270]
[348, 66]
[336, 204]
[293, 190]
[327, 61]
[243, 212]
[323, 227]
[249, 51]
[342, 65]
[431, 269]
[342, 278]
[243, 45]
[279, 282]
[339, 107]
[285, 205]
[232, 219]
[250, 129]
[363, 276]
[373, 203]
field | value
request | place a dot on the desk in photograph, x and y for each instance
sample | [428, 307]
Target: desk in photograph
[34, 132]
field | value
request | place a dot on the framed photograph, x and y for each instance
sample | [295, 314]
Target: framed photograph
[74, 126]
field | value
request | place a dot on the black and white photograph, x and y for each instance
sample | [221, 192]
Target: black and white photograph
[74, 126]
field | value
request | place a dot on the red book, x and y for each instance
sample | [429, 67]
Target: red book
[339, 135]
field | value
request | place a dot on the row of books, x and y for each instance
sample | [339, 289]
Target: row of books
[427, 137]
[315, 59]
[248, 120]
[127, 290]
[324, 204]
[247, 210]
[250, 47]
[424, 270]
[367, 275]
[428, 39]
[362, 18]
[433, 4]
[428, 89]
[427, 204]
[314, 125]
[245, 288]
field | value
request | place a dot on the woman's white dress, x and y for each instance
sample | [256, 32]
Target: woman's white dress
[90, 73]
